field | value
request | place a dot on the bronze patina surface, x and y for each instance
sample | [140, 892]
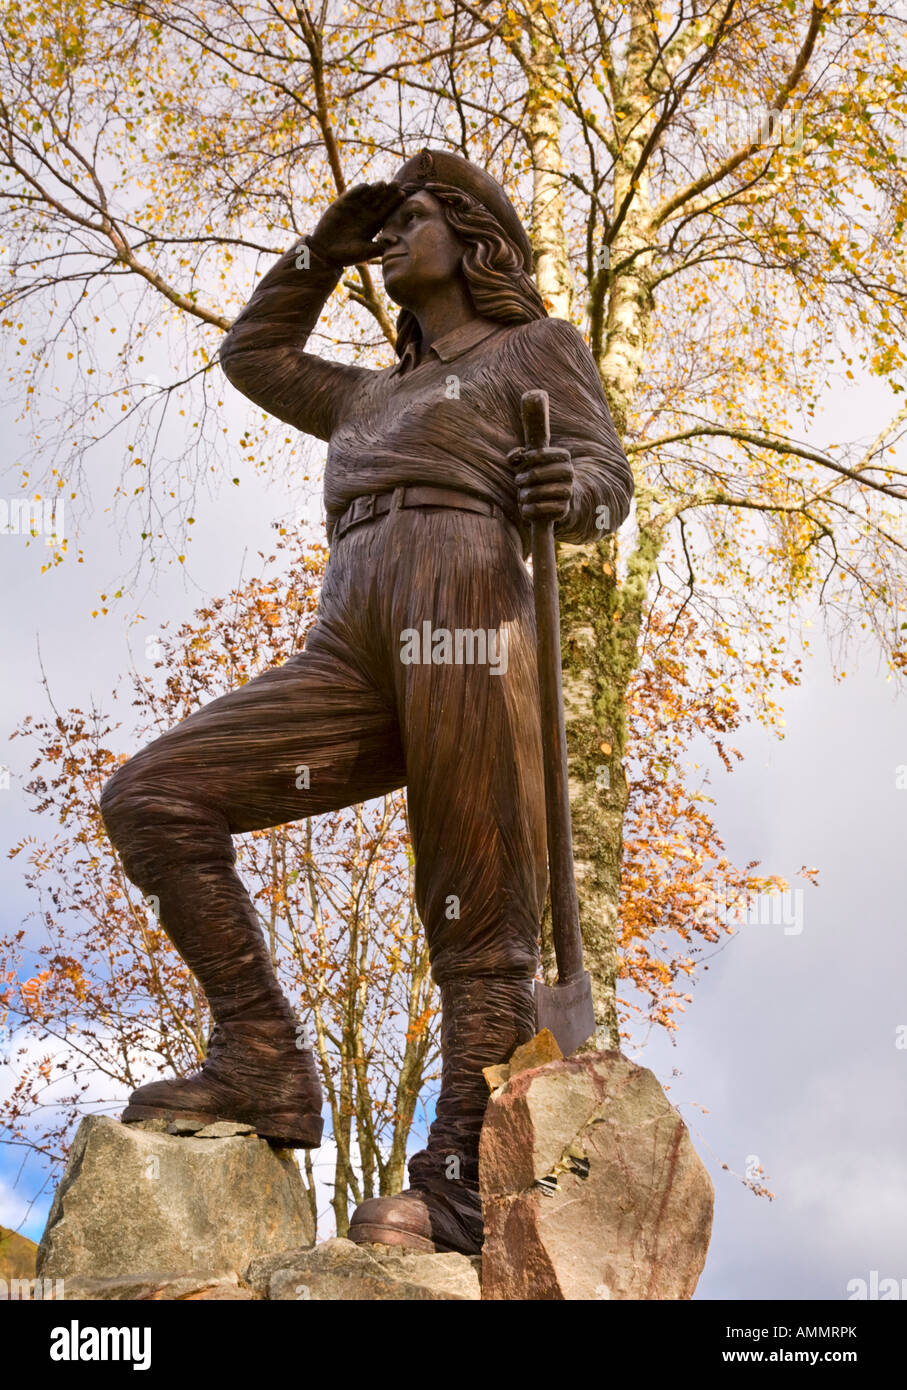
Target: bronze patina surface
[429, 495]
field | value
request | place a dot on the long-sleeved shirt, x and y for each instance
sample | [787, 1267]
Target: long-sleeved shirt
[448, 419]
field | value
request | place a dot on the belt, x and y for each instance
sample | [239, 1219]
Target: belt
[376, 504]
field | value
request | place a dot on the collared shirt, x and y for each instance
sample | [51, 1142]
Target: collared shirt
[448, 418]
[448, 347]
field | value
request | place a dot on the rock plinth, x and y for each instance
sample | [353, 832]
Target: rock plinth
[134, 1200]
[591, 1187]
[157, 1287]
[340, 1270]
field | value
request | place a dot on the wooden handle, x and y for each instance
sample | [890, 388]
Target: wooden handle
[536, 430]
[568, 945]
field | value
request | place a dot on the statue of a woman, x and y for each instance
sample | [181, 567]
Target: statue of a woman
[419, 670]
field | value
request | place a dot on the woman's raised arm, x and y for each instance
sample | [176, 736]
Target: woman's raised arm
[262, 354]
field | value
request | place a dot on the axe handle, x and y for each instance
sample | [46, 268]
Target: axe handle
[568, 944]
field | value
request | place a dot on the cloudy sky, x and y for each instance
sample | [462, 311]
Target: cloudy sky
[790, 1045]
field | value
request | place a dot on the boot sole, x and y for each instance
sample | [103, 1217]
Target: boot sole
[283, 1131]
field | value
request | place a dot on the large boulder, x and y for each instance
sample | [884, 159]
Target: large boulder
[134, 1200]
[591, 1187]
[340, 1271]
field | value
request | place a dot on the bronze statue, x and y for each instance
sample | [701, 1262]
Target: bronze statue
[429, 497]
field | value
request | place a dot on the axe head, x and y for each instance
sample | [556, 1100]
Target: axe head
[568, 1011]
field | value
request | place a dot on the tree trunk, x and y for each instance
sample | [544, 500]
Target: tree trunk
[543, 134]
[600, 620]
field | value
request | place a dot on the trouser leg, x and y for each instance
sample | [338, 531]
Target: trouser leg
[475, 792]
[310, 736]
[475, 785]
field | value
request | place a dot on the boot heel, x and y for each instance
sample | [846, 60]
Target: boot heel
[291, 1131]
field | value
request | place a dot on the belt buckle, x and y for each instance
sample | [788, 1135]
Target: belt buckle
[368, 510]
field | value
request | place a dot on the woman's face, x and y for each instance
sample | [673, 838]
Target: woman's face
[419, 251]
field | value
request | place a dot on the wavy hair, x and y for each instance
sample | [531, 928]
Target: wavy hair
[492, 265]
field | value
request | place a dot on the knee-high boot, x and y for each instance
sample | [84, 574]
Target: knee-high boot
[258, 1070]
[483, 1019]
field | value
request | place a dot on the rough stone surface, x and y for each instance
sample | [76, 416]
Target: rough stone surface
[182, 1126]
[17, 1255]
[132, 1200]
[156, 1126]
[159, 1288]
[591, 1187]
[223, 1129]
[534, 1053]
[340, 1270]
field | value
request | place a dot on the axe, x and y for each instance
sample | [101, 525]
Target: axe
[566, 1007]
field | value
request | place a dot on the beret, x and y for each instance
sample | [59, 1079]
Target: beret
[439, 166]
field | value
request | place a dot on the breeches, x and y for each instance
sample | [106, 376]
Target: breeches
[383, 695]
